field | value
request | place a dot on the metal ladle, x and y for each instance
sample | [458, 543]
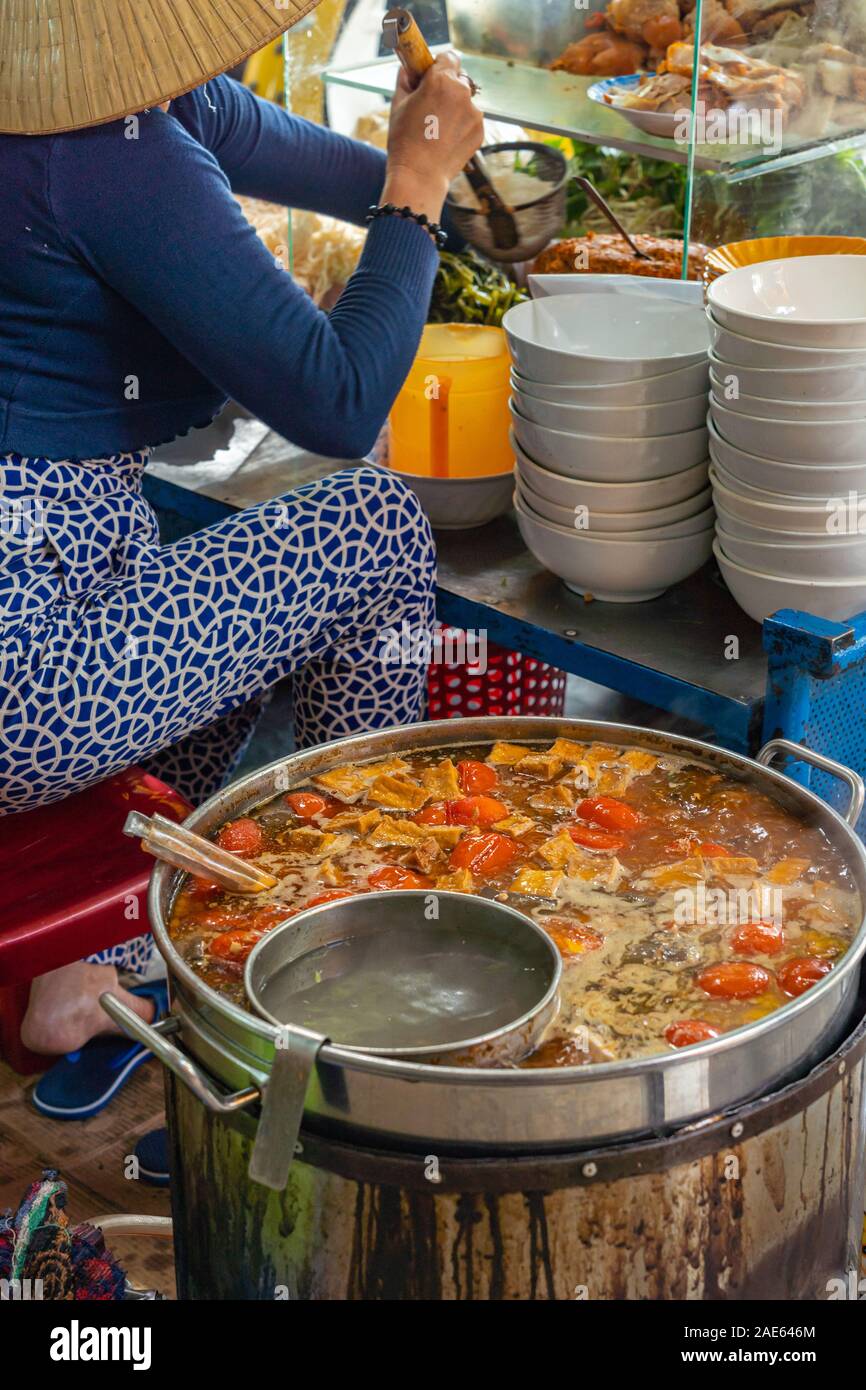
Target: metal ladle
[417, 975]
[595, 197]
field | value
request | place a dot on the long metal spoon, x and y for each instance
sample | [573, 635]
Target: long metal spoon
[594, 196]
[165, 840]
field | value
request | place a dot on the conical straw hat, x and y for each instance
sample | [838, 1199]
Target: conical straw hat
[65, 64]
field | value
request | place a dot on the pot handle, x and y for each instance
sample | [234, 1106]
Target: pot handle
[295, 1055]
[155, 1037]
[806, 755]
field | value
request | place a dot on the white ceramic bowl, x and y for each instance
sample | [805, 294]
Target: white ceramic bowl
[600, 458]
[742, 350]
[618, 571]
[652, 390]
[803, 412]
[653, 494]
[602, 338]
[746, 509]
[760, 595]
[802, 557]
[793, 441]
[633, 421]
[804, 301]
[788, 479]
[600, 524]
[458, 504]
[791, 383]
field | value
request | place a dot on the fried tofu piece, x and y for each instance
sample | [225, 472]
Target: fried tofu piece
[393, 831]
[506, 754]
[596, 872]
[542, 764]
[568, 751]
[441, 781]
[638, 760]
[362, 821]
[731, 866]
[398, 793]
[537, 883]
[345, 782]
[316, 844]
[555, 798]
[461, 881]
[680, 875]
[515, 825]
[560, 851]
[788, 871]
[332, 875]
[614, 781]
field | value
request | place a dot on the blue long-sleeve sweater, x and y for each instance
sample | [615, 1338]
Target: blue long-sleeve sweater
[135, 297]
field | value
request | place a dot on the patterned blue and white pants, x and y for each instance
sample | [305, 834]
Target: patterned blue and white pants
[116, 650]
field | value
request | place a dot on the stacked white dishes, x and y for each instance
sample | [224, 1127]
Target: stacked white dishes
[788, 434]
[610, 440]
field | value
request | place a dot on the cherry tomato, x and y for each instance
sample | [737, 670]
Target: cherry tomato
[690, 844]
[733, 979]
[484, 855]
[437, 814]
[610, 813]
[688, 1031]
[233, 947]
[393, 876]
[265, 918]
[572, 938]
[476, 810]
[709, 850]
[201, 888]
[476, 777]
[591, 837]
[757, 939]
[333, 895]
[801, 973]
[307, 805]
[243, 837]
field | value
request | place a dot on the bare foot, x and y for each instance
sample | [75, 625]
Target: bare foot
[64, 1010]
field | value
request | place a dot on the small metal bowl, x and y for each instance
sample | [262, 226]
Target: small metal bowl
[538, 221]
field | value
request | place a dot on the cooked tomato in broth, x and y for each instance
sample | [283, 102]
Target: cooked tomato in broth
[683, 903]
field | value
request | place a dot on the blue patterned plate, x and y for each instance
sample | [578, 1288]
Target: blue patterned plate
[663, 123]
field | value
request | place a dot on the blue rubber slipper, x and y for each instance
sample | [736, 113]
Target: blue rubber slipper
[82, 1083]
[152, 1154]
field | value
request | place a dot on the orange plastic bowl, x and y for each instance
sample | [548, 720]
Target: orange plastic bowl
[770, 248]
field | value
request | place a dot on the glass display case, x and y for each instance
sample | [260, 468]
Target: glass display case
[770, 141]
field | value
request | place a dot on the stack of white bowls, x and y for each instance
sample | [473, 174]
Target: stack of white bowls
[610, 441]
[788, 434]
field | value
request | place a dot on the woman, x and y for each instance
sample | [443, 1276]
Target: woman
[134, 299]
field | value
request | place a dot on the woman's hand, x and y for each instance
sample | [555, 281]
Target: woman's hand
[434, 131]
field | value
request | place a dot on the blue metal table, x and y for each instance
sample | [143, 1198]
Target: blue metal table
[692, 652]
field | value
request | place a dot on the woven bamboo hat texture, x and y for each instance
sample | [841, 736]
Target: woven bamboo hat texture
[65, 64]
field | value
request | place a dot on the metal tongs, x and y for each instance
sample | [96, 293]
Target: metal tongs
[170, 842]
[405, 38]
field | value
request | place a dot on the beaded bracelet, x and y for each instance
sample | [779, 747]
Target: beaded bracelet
[391, 210]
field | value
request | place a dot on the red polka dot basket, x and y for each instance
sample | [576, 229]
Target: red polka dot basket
[498, 682]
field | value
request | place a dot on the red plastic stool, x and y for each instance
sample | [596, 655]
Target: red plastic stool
[71, 884]
[505, 683]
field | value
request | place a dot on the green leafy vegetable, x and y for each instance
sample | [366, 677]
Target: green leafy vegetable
[469, 289]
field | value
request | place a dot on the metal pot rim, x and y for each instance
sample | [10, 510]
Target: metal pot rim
[453, 734]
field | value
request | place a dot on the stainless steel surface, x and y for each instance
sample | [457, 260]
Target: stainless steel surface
[467, 929]
[545, 1109]
[155, 1037]
[295, 1056]
[764, 1202]
[173, 844]
[603, 206]
[799, 753]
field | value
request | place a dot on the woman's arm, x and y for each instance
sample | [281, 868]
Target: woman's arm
[155, 219]
[267, 153]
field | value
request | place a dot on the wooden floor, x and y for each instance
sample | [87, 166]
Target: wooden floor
[90, 1155]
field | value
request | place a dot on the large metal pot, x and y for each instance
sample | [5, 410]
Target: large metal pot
[765, 1202]
[391, 1103]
